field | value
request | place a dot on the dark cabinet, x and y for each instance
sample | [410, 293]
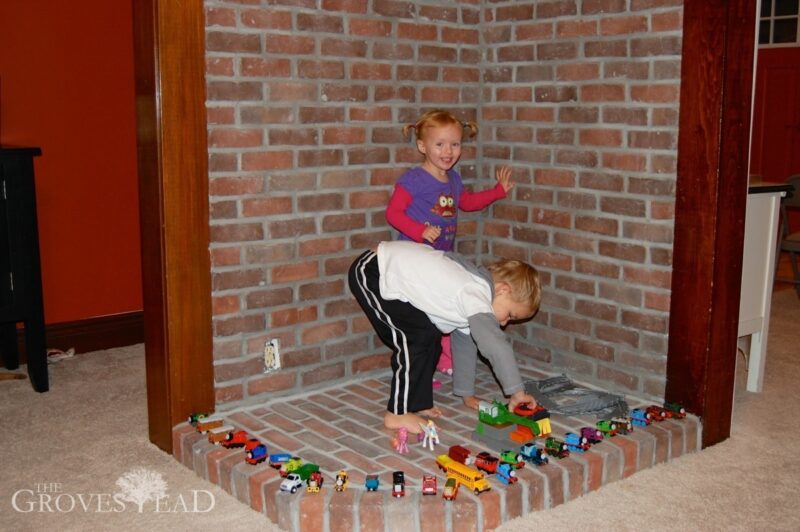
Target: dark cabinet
[20, 271]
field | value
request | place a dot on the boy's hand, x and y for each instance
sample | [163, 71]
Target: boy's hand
[503, 175]
[431, 233]
[519, 398]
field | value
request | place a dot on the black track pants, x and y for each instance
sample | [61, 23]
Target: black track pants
[415, 342]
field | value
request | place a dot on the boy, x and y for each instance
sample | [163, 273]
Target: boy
[412, 293]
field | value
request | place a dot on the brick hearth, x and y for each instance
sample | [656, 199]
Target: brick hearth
[341, 428]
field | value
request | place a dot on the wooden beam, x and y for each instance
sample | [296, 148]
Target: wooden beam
[713, 144]
[173, 186]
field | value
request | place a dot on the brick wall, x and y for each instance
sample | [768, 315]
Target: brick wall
[306, 100]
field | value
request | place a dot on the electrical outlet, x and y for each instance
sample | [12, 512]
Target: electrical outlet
[272, 356]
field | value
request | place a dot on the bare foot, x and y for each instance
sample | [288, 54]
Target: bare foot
[470, 401]
[430, 412]
[409, 421]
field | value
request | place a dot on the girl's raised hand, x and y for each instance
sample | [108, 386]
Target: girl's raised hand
[503, 175]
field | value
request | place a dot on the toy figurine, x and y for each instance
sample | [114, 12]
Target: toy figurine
[429, 435]
[400, 441]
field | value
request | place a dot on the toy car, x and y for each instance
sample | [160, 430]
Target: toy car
[675, 409]
[459, 454]
[592, 434]
[513, 458]
[372, 482]
[207, 423]
[450, 489]
[656, 413]
[398, 484]
[556, 447]
[195, 417]
[218, 435]
[506, 474]
[314, 482]
[276, 460]
[607, 427]
[576, 443]
[429, 485]
[533, 454]
[257, 454]
[340, 484]
[235, 439]
[486, 462]
[640, 418]
[623, 425]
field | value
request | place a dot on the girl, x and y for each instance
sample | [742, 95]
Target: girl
[425, 203]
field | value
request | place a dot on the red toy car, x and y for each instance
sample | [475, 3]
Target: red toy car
[429, 485]
[235, 439]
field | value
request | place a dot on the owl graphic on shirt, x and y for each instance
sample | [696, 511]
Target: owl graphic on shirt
[445, 206]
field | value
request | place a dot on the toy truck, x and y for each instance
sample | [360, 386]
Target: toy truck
[291, 483]
[290, 465]
[294, 480]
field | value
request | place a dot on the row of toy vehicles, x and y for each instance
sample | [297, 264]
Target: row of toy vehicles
[535, 422]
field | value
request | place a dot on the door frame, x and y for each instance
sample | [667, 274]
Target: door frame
[713, 142]
[172, 149]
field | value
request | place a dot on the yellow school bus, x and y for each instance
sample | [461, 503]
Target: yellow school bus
[471, 478]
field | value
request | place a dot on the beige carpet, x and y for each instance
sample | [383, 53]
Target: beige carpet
[64, 451]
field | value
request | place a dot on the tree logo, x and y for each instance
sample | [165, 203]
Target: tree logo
[140, 485]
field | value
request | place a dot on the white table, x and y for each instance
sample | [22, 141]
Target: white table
[758, 274]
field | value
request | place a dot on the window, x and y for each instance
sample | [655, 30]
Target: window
[778, 23]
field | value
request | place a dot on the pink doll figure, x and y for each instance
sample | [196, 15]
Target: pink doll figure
[400, 441]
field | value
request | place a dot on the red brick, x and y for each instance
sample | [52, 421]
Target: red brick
[295, 272]
[273, 382]
[293, 316]
[623, 25]
[370, 510]
[269, 19]
[629, 450]
[261, 474]
[370, 28]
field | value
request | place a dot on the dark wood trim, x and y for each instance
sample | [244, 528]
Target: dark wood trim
[169, 50]
[93, 334]
[713, 142]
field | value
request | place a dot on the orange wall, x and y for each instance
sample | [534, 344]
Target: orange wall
[66, 85]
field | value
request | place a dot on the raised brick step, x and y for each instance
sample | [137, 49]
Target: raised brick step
[341, 428]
